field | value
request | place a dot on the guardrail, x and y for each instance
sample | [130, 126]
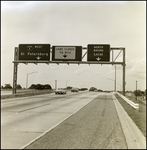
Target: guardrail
[134, 105]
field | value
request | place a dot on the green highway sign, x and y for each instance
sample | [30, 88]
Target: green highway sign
[98, 52]
[34, 52]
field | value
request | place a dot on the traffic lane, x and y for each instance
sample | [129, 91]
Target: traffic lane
[50, 102]
[19, 128]
[20, 104]
[95, 126]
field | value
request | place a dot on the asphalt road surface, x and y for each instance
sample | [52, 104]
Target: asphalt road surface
[95, 126]
[81, 120]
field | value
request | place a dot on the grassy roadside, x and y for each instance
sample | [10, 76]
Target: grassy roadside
[139, 117]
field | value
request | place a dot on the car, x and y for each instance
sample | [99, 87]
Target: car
[74, 89]
[60, 91]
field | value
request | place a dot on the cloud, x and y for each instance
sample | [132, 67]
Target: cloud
[80, 71]
[137, 68]
[74, 23]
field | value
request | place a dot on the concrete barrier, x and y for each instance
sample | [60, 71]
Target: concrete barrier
[134, 105]
[134, 137]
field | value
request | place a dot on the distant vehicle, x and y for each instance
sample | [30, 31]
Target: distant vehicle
[60, 91]
[92, 89]
[74, 89]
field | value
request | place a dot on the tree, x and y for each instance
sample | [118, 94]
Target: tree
[40, 86]
[69, 87]
[32, 86]
[47, 86]
[137, 92]
[7, 86]
[99, 90]
[83, 89]
[19, 86]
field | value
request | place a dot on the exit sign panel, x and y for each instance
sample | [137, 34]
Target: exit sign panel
[67, 53]
[98, 52]
[34, 52]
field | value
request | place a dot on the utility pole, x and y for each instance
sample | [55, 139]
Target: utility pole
[66, 83]
[114, 83]
[120, 86]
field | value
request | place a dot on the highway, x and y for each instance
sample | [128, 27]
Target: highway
[75, 120]
[6, 92]
[20, 91]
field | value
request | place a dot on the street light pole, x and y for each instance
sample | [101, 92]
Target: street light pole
[27, 81]
[55, 84]
[114, 83]
[120, 86]
[136, 90]
[66, 83]
[27, 78]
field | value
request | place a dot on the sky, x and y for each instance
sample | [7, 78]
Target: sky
[78, 23]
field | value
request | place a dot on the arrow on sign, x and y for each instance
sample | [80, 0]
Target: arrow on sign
[38, 57]
[64, 55]
[98, 58]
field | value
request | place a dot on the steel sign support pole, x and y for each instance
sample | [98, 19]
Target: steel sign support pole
[124, 64]
[15, 71]
[15, 78]
[115, 78]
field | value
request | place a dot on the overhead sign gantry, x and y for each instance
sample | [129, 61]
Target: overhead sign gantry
[44, 53]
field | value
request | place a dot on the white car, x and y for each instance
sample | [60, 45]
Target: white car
[60, 91]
